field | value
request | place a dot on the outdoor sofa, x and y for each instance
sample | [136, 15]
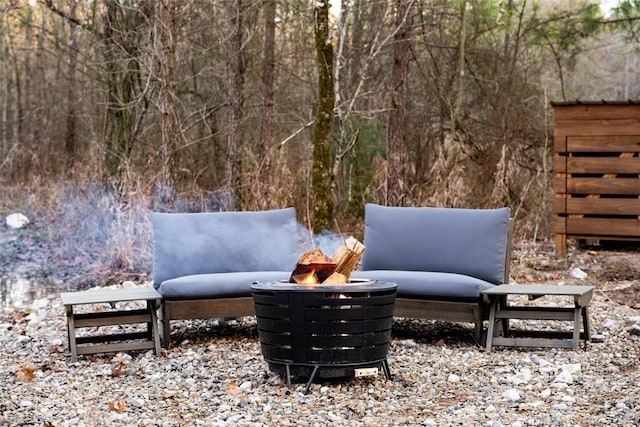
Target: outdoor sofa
[441, 259]
[204, 263]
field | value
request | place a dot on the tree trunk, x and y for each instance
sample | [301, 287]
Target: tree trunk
[396, 179]
[232, 182]
[70, 138]
[4, 97]
[459, 87]
[268, 111]
[165, 187]
[123, 28]
[321, 198]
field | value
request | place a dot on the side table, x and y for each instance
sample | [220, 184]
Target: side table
[104, 343]
[501, 310]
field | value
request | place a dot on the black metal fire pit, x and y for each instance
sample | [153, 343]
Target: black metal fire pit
[324, 331]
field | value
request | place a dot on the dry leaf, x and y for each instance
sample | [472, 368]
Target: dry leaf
[117, 405]
[48, 367]
[119, 370]
[122, 358]
[233, 389]
[18, 317]
[122, 363]
[26, 373]
[95, 359]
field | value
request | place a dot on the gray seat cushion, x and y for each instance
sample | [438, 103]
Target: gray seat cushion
[217, 285]
[428, 285]
[188, 244]
[469, 242]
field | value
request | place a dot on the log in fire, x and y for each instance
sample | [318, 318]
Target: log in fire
[315, 267]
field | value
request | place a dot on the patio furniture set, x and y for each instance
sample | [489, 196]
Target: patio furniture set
[445, 264]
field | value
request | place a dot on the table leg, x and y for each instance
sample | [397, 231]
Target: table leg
[71, 332]
[154, 325]
[165, 326]
[577, 312]
[492, 323]
[505, 321]
[586, 326]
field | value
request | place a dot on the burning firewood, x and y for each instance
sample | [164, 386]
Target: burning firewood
[314, 267]
[347, 256]
[314, 256]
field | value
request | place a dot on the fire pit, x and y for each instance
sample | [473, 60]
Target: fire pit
[325, 331]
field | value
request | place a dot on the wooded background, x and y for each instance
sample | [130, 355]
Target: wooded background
[222, 105]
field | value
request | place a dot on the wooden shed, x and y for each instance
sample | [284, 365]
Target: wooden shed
[597, 171]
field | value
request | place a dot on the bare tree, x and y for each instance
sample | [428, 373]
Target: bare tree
[71, 134]
[168, 145]
[266, 139]
[321, 198]
[233, 174]
[396, 180]
[123, 38]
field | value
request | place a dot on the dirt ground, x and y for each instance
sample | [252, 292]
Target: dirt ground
[614, 268]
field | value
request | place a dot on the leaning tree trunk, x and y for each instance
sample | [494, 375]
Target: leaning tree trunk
[321, 199]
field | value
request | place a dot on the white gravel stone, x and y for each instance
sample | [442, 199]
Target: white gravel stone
[512, 395]
[578, 273]
[622, 406]
[16, 220]
[453, 378]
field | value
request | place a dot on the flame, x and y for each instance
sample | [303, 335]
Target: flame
[312, 273]
[307, 279]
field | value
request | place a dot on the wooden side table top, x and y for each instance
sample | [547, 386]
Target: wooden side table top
[110, 295]
[582, 294]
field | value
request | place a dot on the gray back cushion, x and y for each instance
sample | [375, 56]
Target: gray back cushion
[465, 241]
[223, 242]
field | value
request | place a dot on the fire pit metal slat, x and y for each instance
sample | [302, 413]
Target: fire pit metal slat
[274, 324]
[350, 327]
[327, 331]
[348, 340]
[338, 298]
[336, 313]
[328, 357]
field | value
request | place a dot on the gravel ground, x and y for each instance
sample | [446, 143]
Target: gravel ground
[214, 374]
